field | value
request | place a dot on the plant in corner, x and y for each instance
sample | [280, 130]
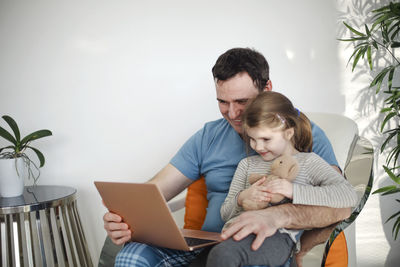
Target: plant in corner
[380, 40]
[16, 151]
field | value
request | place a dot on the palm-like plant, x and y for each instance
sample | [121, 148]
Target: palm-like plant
[18, 147]
[383, 37]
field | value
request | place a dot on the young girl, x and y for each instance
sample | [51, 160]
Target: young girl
[273, 127]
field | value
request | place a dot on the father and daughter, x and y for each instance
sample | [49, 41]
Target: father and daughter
[272, 128]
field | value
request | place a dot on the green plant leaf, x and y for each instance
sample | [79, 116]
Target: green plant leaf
[392, 28]
[6, 135]
[390, 78]
[395, 44]
[381, 9]
[394, 131]
[367, 30]
[353, 30]
[379, 78]
[385, 110]
[386, 119]
[384, 189]
[354, 39]
[362, 44]
[369, 56]
[395, 32]
[14, 127]
[35, 135]
[393, 216]
[352, 55]
[39, 155]
[360, 53]
[385, 34]
[396, 228]
[387, 140]
[394, 153]
[379, 20]
[375, 44]
[392, 176]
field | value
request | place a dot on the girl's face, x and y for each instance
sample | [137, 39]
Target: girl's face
[271, 143]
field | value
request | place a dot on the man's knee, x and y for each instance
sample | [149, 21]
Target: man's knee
[135, 254]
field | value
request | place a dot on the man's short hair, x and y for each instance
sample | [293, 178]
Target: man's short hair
[238, 60]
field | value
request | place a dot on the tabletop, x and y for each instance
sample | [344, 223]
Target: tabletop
[37, 197]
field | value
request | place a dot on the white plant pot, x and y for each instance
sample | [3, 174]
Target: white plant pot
[11, 182]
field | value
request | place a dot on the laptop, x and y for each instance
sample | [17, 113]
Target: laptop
[144, 209]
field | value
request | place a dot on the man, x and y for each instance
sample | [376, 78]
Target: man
[214, 151]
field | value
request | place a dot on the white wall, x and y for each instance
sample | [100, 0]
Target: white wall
[122, 84]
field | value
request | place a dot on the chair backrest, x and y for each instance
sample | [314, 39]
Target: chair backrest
[340, 130]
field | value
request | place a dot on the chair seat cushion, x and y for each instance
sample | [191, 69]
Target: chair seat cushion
[337, 255]
[196, 205]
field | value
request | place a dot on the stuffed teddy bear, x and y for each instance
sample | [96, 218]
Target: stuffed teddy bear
[283, 167]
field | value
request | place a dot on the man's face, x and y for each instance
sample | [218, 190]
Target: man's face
[233, 95]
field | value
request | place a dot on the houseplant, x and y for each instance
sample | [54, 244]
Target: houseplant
[14, 162]
[378, 43]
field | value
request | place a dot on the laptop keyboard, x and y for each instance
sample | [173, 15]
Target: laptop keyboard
[196, 241]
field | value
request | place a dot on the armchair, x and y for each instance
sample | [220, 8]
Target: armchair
[350, 152]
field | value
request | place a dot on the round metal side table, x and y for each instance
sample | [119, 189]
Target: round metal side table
[42, 228]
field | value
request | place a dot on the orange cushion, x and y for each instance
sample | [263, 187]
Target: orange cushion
[196, 205]
[337, 255]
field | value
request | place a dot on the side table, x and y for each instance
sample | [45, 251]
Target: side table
[42, 228]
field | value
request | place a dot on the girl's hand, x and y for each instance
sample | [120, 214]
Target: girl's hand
[280, 186]
[256, 192]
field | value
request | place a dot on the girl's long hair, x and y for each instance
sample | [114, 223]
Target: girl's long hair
[272, 109]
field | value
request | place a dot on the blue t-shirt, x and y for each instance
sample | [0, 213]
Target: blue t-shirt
[215, 151]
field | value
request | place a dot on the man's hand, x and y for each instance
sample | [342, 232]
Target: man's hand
[280, 186]
[264, 223]
[170, 181]
[258, 222]
[116, 230]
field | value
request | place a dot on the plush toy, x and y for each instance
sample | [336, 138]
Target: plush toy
[283, 167]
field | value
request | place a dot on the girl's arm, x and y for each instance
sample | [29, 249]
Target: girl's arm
[230, 207]
[329, 188]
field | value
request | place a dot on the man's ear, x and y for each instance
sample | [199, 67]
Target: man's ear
[268, 86]
[289, 133]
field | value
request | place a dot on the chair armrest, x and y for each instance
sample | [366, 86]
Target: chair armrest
[359, 172]
[178, 202]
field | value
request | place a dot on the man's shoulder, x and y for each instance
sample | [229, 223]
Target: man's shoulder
[216, 123]
[216, 127]
[316, 130]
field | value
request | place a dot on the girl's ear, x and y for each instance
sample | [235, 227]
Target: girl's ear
[289, 133]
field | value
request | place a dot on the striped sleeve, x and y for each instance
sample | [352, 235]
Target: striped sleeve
[230, 208]
[328, 187]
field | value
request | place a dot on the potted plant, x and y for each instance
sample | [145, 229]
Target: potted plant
[15, 164]
[380, 40]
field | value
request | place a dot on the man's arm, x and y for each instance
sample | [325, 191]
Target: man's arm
[170, 181]
[264, 223]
